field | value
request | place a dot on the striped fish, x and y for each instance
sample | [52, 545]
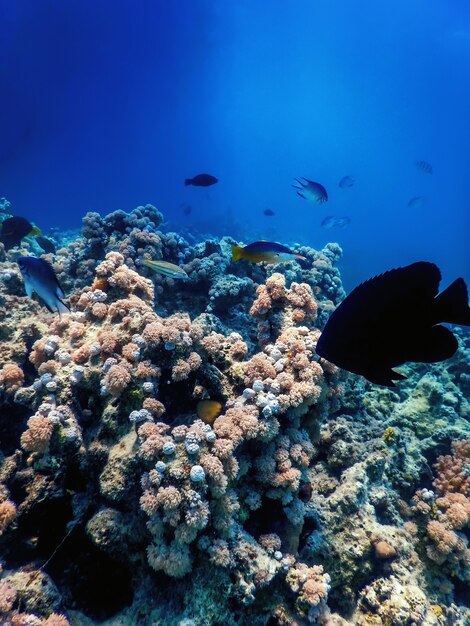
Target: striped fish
[167, 269]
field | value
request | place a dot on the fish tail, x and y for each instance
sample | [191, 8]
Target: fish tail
[62, 308]
[237, 253]
[188, 181]
[452, 306]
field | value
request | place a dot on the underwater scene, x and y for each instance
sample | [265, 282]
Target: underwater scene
[234, 313]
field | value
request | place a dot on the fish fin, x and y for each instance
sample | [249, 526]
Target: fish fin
[236, 253]
[61, 307]
[433, 345]
[300, 182]
[28, 288]
[188, 181]
[295, 187]
[452, 306]
[300, 257]
[35, 232]
[301, 195]
[389, 294]
[384, 377]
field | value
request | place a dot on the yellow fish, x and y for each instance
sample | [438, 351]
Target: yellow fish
[208, 410]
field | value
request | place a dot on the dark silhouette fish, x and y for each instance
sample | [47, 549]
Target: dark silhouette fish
[392, 319]
[424, 166]
[312, 191]
[268, 212]
[46, 244]
[346, 181]
[201, 180]
[14, 229]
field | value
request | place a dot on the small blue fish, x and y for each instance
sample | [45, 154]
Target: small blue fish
[39, 276]
[425, 167]
[335, 222]
[309, 190]
[416, 202]
[346, 181]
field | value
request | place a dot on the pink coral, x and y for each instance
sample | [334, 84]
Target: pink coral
[452, 474]
[7, 514]
[11, 377]
[117, 378]
[56, 619]
[155, 407]
[38, 435]
[99, 310]
[7, 597]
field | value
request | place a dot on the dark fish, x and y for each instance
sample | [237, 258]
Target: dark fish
[416, 202]
[305, 492]
[201, 180]
[424, 166]
[392, 319]
[46, 244]
[268, 212]
[14, 229]
[339, 222]
[264, 251]
[346, 181]
[309, 190]
[39, 276]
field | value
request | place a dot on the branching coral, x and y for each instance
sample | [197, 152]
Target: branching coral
[286, 496]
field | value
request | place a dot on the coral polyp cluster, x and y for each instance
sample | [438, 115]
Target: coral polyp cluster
[307, 496]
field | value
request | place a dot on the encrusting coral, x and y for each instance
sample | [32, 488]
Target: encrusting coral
[306, 498]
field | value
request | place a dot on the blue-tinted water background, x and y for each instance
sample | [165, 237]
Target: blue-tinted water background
[107, 105]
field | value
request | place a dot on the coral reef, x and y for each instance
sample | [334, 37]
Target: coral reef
[311, 497]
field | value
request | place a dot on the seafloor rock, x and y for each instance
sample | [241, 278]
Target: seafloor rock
[311, 497]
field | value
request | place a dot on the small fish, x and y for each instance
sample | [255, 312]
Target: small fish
[416, 202]
[425, 167]
[268, 212]
[346, 181]
[46, 244]
[309, 190]
[208, 410]
[39, 276]
[305, 492]
[164, 267]
[187, 209]
[14, 229]
[201, 180]
[339, 222]
[392, 319]
[264, 251]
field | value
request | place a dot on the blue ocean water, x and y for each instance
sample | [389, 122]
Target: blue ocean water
[107, 105]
